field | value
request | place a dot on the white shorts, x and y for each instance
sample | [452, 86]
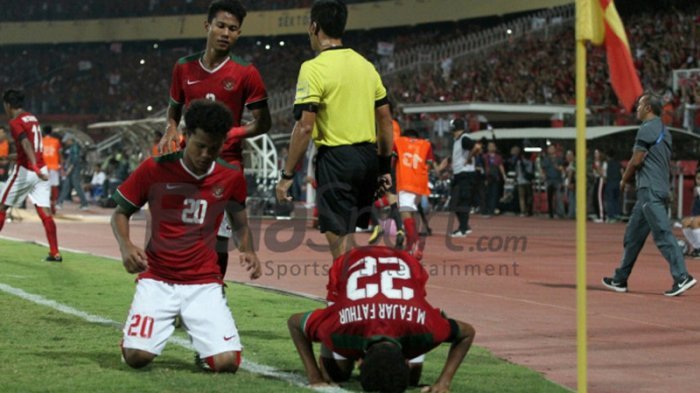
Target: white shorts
[225, 228]
[202, 308]
[24, 183]
[407, 201]
[54, 178]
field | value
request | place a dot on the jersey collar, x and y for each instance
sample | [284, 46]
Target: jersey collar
[217, 68]
[198, 177]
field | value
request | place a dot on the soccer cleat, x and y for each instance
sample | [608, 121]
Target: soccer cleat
[377, 233]
[201, 363]
[54, 258]
[681, 286]
[617, 286]
[400, 237]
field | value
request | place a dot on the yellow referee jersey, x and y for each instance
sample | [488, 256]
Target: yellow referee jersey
[345, 88]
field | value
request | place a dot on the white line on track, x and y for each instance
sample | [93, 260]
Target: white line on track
[247, 365]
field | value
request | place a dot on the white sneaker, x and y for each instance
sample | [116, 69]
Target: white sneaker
[459, 233]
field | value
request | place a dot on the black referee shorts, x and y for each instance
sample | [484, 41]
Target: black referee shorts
[347, 181]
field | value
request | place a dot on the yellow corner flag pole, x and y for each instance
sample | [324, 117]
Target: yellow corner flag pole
[581, 332]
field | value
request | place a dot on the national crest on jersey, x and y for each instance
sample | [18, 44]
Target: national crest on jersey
[186, 212]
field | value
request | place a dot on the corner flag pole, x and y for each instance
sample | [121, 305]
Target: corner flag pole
[581, 330]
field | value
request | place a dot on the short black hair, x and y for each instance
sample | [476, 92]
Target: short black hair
[48, 130]
[384, 369]
[212, 117]
[13, 97]
[331, 16]
[232, 6]
[457, 124]
[411, 133]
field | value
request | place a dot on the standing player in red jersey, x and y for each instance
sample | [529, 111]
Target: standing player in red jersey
[30, 175]
[378, 313]
[218, 75]
[188, 193]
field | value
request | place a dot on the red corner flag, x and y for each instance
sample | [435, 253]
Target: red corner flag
[596, 15]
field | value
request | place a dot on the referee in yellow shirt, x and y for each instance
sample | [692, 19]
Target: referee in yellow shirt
[340, 101]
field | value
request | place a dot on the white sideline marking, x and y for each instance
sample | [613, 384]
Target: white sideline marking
[247, 365]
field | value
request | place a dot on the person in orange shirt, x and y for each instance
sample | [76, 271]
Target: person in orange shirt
[52, 158]
[414, 157]
[4, 143]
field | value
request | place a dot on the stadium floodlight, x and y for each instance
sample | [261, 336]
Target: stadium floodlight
[142, 62]
[281, 43]
[533, 150]
[509, 31]
[267, 47]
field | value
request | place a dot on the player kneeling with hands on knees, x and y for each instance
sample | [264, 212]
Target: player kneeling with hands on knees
[188, 193]
[378, 314]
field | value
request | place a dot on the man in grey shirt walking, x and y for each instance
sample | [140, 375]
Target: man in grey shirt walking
[650, 161]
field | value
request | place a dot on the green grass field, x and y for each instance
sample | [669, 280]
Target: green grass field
[46, 350]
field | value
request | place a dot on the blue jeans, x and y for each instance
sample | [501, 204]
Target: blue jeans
[649, 215]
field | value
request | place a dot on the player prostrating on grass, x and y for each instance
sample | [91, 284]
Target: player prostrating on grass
[29, 178]
[218, 75]
[188, 193]
[379, 314]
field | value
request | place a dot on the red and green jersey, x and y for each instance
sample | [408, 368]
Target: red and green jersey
[186, 212]
[377, 292]
[235, 83]
[25, 125]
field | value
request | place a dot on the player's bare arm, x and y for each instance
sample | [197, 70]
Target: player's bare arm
[634, 163]
[244, 240]
[172, 134]
[458, 350]
[306, 351]
[385, 143]
[299, 141]
[261, 124]
[29, 151]
[133, 257]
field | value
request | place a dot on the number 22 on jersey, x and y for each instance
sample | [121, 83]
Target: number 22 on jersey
[386, 281]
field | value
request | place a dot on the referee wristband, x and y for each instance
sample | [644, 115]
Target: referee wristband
[285, 176]
[384, 164]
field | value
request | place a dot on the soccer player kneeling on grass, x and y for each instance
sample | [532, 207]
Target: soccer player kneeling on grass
[188, 193]
[378, 313]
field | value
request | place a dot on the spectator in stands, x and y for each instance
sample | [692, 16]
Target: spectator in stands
[524, 173]
[570, 183]
[96, 186]
[552, 168]
[599, 171]
[612, 193]
[494, 175]
[4, 143]
[52, 158]
[72, 172]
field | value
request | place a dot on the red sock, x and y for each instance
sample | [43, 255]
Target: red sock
[3, 214]
[50, 228]
[409, 225]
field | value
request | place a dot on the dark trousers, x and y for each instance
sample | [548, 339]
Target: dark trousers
[649, 215]
[612, 200]
[552, 194]
[462, 196]
[491, 196]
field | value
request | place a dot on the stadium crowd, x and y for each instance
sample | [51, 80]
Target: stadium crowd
[93, 9]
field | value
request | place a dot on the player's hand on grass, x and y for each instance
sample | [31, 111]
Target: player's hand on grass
[250, 261]
[134, 259]
[282, 189]
[170, 139]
